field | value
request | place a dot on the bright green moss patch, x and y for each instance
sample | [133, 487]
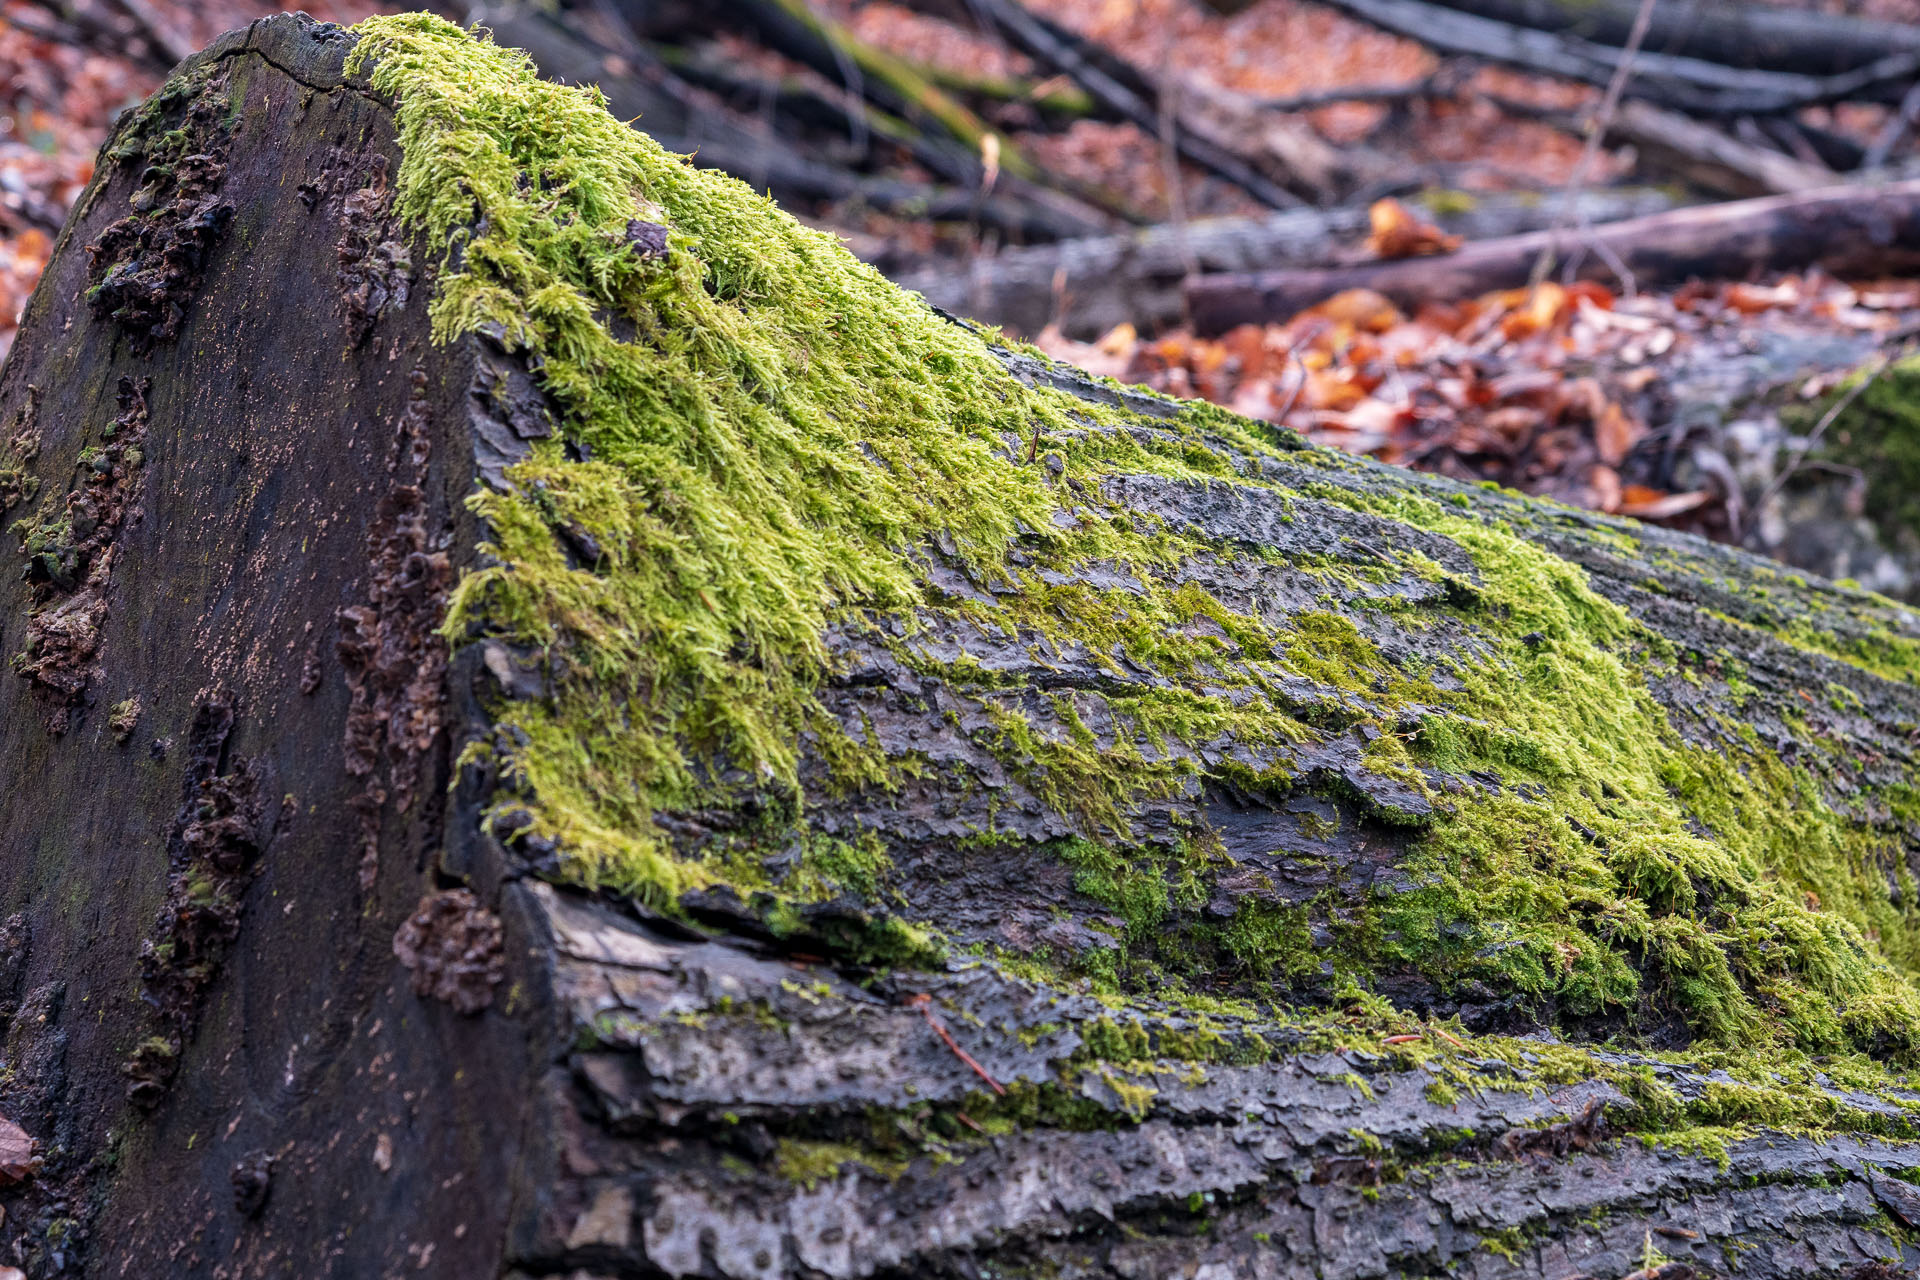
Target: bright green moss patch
[810, 1163]
[781, 429]
[765, 439]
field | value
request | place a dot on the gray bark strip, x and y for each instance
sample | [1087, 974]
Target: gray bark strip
[1683, 83]
[1732, 34]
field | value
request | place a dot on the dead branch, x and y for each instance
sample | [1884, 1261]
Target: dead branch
[1841, 229]
[1685, 84]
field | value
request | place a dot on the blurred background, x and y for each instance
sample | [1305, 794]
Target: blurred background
[1658, 258]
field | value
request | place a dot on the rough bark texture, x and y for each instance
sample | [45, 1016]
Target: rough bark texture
[363, 1036]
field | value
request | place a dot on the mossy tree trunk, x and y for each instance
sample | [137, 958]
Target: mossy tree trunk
[560, 726]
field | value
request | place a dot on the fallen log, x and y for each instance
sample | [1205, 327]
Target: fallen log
[630, 747]
[1089, 285]
[1682, 83]
[1750, 36]
[1681, 148]
[1844, 230]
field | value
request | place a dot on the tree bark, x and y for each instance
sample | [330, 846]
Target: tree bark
[279, 1002]
[1671, 80]
[1859, 230]
[1735, 35]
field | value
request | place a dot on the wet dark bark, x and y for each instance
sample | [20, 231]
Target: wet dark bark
[276, 1006]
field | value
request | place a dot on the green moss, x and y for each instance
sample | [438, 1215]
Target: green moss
[810, 1163]
[779, 433]
[1880, 433]
[767, 440]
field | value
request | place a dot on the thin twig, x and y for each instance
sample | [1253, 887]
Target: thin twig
[1168, 94]
[1894, 131]
[924, 1003]
[1364, 95]
[1293, 396]
[1596, 133]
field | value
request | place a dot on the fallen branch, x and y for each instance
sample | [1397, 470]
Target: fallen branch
[683, 120]
[1841, 229]
[1685, 84]
[1122, 90]
[1089, 285]
[1895, 130]
[1677, 145]
[1734, 34]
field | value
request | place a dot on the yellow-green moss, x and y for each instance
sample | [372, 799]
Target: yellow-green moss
[810, 1163]
[782, 429]
[763, 436]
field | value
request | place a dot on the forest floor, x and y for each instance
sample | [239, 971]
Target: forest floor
[1571, 392]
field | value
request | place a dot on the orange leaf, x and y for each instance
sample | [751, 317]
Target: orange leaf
[1336, 391]
[1361, 308]
[18, 1160]
[1397, 233]
[1751, 299]
[1536, 312]
[1661, 506]
[1613, 434]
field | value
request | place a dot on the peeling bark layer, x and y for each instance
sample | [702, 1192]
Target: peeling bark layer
[400, 1042]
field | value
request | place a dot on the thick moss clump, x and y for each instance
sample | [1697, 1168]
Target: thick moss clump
[764, 441]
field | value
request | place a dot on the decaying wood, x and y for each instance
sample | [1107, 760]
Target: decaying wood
[1678, 147]
[1682, 83]
[585, 1088]
[1863, 230]
[1710, 160]
[1087, 286]
[1767, 37]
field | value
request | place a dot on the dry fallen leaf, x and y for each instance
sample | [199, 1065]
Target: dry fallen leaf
[1661, 506]
[1751, 299]
[1399, 233]
[18, 1160]
[1362, 308]
[1613, 434]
